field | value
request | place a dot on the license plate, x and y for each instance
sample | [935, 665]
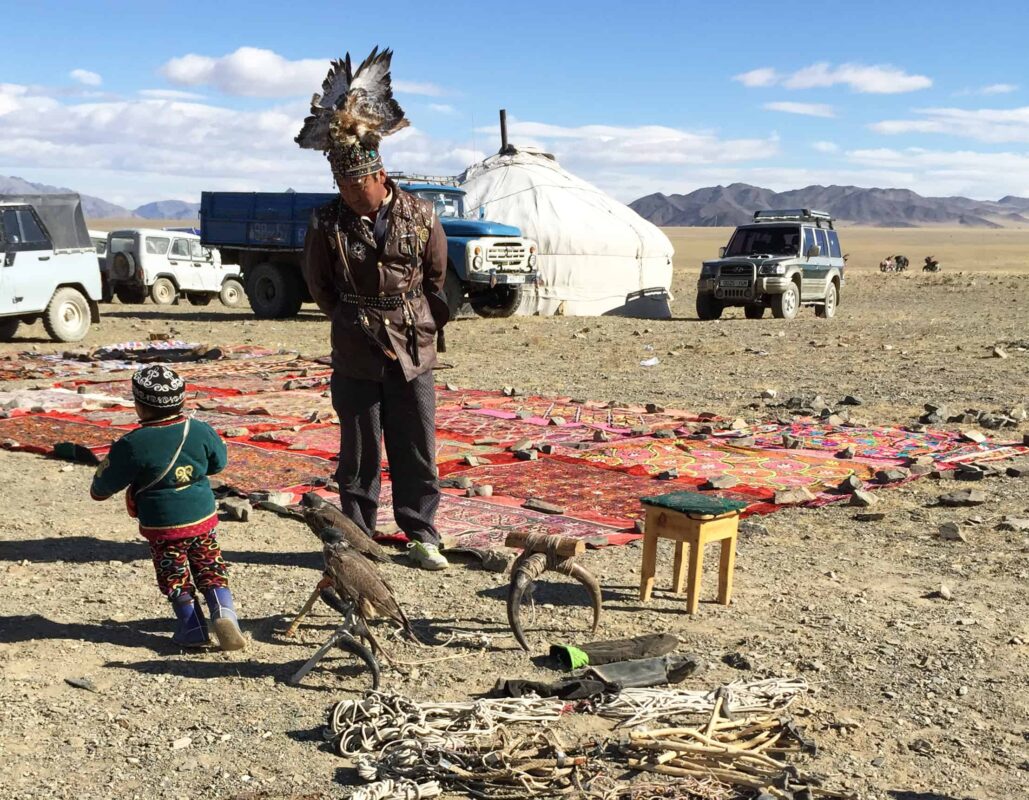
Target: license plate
[735, 283]
[503, 277]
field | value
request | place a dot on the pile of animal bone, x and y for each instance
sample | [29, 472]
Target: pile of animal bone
[509, 747]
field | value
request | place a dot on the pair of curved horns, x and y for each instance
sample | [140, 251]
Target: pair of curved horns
[527, 569]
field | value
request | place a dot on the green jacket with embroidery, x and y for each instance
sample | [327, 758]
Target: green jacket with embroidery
[183, 497]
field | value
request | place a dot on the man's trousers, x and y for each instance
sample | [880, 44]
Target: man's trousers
[404, 413]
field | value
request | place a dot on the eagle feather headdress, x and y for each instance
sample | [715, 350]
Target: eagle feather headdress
[354, 108]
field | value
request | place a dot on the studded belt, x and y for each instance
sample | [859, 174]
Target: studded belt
[386, 302]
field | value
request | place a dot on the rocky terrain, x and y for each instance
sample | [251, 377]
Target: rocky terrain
[914, 644]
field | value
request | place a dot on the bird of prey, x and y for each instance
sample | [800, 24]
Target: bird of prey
[354, 107]
[320, 514]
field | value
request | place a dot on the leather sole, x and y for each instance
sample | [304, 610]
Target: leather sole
[229, 635]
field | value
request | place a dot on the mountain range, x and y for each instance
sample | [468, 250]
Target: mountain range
[97, 208]
[886, 208]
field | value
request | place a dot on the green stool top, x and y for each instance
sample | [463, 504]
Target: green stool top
[694, 503]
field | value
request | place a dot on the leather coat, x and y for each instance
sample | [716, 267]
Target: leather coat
[385, 298]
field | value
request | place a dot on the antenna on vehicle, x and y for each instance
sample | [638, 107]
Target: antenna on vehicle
[505, 148]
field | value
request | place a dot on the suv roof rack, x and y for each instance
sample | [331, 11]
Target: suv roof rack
[793, 215]
[444, 180]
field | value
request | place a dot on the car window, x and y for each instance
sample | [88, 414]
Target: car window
[11, 228]
[121, 244]
[196, 252]
[31, 230]
[773, 240]
[809, 239]
[100, 245]
[180, 248]
[157, 245]
[822, 243]
[834, 245]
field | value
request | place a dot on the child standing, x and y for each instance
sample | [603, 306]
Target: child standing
[163, 465]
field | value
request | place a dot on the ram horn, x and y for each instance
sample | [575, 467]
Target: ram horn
[587, 579]
[525, 572]
[359, 649]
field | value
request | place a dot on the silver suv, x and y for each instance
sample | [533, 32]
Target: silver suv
[783, 260]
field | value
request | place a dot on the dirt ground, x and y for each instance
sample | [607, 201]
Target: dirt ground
[914, 697]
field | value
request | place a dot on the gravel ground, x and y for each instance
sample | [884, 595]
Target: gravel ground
[913, 696]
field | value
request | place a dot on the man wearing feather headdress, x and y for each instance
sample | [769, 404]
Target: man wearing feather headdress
[375, 260]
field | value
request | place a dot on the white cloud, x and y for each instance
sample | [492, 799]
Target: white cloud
[442, 108]
[256, 72]
[765, 76]
[951, 172]
[805, 109]
[169, 94]
[865, 79]
[985, 124]
[85, 77]
[999, 88]
[825, 147]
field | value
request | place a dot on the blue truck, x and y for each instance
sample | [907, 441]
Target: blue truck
[488, 266]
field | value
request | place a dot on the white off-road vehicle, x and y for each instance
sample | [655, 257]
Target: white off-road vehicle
[167, 265]
[48, 266]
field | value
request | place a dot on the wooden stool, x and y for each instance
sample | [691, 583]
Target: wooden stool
[688, 518]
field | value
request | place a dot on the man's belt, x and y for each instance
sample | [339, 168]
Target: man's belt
[383, 302]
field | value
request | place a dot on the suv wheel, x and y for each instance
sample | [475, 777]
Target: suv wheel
[786, 305]
[67, 317]
[232, 293]
[832, 298]
[163, 292]
[753, 312]
[708, 307]
[453, 289]
[199, 299]
[8, 325]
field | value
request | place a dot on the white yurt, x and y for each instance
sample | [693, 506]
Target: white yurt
[596, 255]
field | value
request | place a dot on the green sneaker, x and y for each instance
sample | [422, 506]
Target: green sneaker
[426, 556]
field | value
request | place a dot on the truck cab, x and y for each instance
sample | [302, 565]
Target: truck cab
[48, 266]
[488, 263]
[783, 260]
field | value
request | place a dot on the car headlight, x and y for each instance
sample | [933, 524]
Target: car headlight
[708, 271]
[532, 260]
[773, 269]
[477, 262]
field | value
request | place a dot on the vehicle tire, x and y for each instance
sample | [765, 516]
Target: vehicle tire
[67, 318]
[499, 302]
[453, 290]
[8, 326]
[163, 292]
[786, 305]
[832, 299]
[274, 291]
[753, 312]
[130, 293]
[106, 292]
[232, 293]
[709, 307]
[123, 267]
[200, 299]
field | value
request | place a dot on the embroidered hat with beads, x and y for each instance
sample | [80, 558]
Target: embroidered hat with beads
[158, 387]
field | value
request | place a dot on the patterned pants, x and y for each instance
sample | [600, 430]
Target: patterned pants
[405, 412]
[186, 566]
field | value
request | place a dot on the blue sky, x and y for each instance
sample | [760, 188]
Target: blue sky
[136, 102]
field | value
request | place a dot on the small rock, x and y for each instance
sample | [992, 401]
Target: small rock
[527, 455]
[790, 442]
[182, 744]
[450, 387]
[944, 592]
[965, 497]
[863, 499]
[1017, 470]
[638, 526]
[496, 560]
[942, 474]
[233, 433]
[1017, 524]
[462, 482]
[737, 661]
[542, 506]
[601, 436]
[793, 496]
[654, 408]
[521, 444]
[851, 400]
[472, 461]
[558, 421]
[850, 484]
[969, 472]
[720, 482]
[998, 352]
[892, 475]
[235, 508]
[739, 424]
[81, 683]
[548, 449]
[486, 490]
[769, 394]
[878, 762]
[667, 475]
[846, 453]
[664, 433]
[952, 532]
[876, 516]
[973, 436]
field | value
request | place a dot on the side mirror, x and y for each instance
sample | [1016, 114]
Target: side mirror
[814, 251]
[721, 252]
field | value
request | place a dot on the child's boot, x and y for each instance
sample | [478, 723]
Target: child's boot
[223, 618]
[192, 628]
